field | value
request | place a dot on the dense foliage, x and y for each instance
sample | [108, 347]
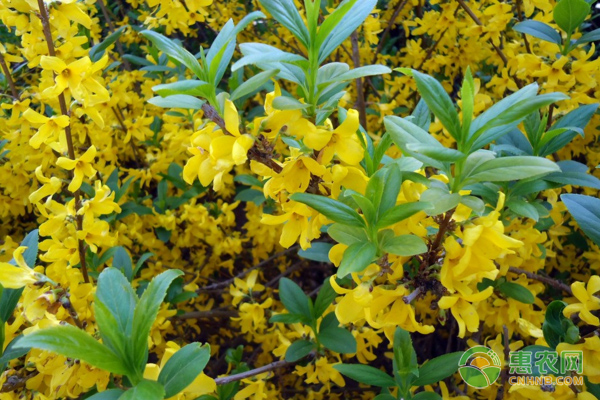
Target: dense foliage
[260, 199]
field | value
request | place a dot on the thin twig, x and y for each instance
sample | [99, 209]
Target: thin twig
[253, 372]
[245, 272]
[11, 83]
[498, 50]
[544, 279]
[520, 18]
[71, 149]
[387, 30]
[111, 27]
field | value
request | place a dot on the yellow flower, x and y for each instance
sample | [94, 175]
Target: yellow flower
[67, 76]
[463, 311]
[50, 128]
[48, 188]
[81, 166]
[254, 389]
[343, 141]
[102, 204]
[296, 220]
[587, 301]
[241, 289]
[591, 356]
[12, 277]
[321, 371]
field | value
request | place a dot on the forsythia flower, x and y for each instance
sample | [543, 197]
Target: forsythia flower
[81, 166]
[587, 300]
[50, 128]
[15, 277]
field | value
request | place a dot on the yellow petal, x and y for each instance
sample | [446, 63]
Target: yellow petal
[232, 120]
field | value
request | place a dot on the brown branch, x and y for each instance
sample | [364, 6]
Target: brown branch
[111, 27]
[434, 249]
[9, 79]
[71, 149]
[253, 372]
[544, 279]
[362, 108]
[245, 272]
[502, 389]
[388, 28]
[520, 18]
[136, 153]
[408, 299]
[498, 50]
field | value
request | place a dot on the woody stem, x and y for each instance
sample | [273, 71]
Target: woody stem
[71, 150]
[11, 83]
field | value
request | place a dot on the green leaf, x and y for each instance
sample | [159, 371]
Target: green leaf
[110, 394]
[403, 245]
[263, 54]
[552, 326]
[9, 299]
[366, 374]
[391, 189]
[356, 258]
[98, 50]
[539, 30]
[253, 84]
[183, 367]
[569, 14]
[427, 396]
[404, 354]
[335, 338]
[287, 318]
[366, 207]
[298, 350]
[147, 390]
[523, 208]
[114, 304]
[438, 101]
[177, 101]
[586, 211]
[579, 118]
[332, 209]
[72, 342]
[324, 299]
[440, 200]
[367, 70]
[175, 51]
[286, 12]
[510, 118]
[145, 313]
[11, 352]
[336, 28]
[440, 154]
[401, 212]
[346, 234]
[140, 263]
[404, 132]
[467, 94]
[122, 262]
[517, 292]
[318, 251]
[592, 36]
[31, 242]
[288, 103]
[511, 169]
[293, 298]
[384, 396]
[438, 369]
[190, 87]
